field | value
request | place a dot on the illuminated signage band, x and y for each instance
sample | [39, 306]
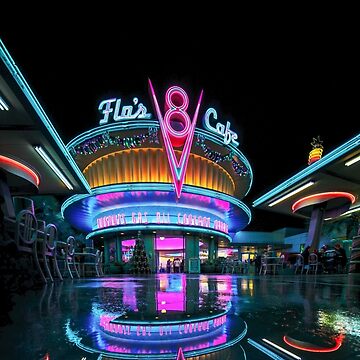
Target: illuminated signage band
[135, 218]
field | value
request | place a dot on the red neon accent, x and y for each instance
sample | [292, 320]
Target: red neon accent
[16, 164]
[319, 198]
[180, 354]
[46, 356]
[313, 348]
[313, 159]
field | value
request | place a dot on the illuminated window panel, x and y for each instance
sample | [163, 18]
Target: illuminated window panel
[150, 165]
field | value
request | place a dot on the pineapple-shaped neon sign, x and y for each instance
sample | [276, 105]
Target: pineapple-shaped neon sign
[317, 150]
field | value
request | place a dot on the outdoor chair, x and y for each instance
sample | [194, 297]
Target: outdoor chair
[47, 246]
[66, 257]
[88, 263]
[264, 267]
[313, 263]
[101, 264]
[26, 233]
[279, 265]
[299, 263]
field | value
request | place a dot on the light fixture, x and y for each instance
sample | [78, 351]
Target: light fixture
[352, 161]
[355, 209]
[282, 349]
[53, 167]
[3, 105]
[292, 193]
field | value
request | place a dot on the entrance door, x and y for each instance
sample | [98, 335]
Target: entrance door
[169, 254]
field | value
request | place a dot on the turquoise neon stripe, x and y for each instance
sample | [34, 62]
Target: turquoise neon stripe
[19, 78]
[332, 156]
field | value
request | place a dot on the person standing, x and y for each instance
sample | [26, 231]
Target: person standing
[176, 265]
[342, 254]
[305, 254]
[168, 266]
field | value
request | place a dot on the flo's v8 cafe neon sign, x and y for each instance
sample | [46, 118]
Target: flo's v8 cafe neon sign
[176, 106]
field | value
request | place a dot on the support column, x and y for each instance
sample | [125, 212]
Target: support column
[118, 247]
[191, 250]
[5, 193]
[106, 253]
[316, 221]
[149, 249]
[212, 249]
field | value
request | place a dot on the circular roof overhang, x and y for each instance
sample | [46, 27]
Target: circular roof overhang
[331, 200]
[19, 173]
[141, 207]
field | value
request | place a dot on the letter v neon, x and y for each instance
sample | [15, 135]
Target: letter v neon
[177, 168]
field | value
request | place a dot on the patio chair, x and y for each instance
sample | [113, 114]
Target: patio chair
[26, 233]
[265, 266]
[48, 239]
[66, 256]
[89, 264]
[299, 263]
[101, 264]
[313, 263]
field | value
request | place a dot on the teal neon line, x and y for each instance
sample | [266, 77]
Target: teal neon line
[332, 156]
[19, 78]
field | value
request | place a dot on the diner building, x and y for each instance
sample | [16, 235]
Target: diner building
[160, 177]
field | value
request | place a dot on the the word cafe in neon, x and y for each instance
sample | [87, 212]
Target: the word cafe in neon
[166, 170]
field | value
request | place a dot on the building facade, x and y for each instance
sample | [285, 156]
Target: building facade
[162, 178]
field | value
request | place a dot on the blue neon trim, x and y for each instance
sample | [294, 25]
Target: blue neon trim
[19, 78]
[332, 156]
[150, 227]
[156, 187]
[141, 124]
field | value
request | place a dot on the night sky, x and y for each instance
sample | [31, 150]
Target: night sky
[279, 90]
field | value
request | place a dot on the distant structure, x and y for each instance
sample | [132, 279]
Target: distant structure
[317, 150]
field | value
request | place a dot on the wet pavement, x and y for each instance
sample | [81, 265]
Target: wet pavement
[313, 317]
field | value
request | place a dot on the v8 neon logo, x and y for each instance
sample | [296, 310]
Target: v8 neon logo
[176, 102]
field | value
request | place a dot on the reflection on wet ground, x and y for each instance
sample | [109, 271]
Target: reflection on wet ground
[313, 317]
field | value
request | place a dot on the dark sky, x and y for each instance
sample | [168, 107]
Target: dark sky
[279, 90]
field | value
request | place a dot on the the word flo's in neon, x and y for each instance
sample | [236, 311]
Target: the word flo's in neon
[176, 104]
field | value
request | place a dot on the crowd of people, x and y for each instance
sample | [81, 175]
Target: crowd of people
[175, 266]
[329, 259]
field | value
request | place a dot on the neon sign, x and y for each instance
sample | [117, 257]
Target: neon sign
[126, 111]
[176, 104]
[220, 129]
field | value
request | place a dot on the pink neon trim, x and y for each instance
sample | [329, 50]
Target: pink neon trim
[177, 168]
[338, 342]
[180, 354]
[321, 197]
[20, 166]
